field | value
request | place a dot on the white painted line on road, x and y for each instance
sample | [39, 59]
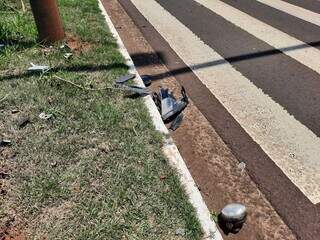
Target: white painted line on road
[169, 148]
[293, 10]
[292, 146]
[296, 49]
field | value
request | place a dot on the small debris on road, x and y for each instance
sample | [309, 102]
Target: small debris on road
[242, 166]
[38, 68]
[232, 217]
[169, 105]
[147, 79]
[170, 108]
[45, 116]
[176, 122]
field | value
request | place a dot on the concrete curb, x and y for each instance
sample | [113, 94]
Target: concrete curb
[170, 150]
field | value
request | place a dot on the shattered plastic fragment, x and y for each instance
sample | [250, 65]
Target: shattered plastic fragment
[38, 68]
[125, 78]
[135, 89]
[176, 122]
[68, 55]
[169, 105]
[146, 79]
[45, 116]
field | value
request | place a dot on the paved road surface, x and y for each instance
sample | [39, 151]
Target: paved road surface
[259, 62]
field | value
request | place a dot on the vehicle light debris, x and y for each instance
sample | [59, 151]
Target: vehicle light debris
[45, 116]
[170, 108]
[134, 89]
[121, 84]
[38, 68]
[125, 78]
[176, 122]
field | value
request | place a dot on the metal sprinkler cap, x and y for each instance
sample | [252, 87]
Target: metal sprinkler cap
[232, 217]
[234, 212]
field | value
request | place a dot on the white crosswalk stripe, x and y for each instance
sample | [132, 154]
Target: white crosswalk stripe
[293, 10]
[309, 56]
[292, 146]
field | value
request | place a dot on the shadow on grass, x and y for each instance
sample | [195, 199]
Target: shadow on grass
[80, 68]
[19, 44]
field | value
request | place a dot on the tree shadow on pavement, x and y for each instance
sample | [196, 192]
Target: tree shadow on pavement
[144, 59]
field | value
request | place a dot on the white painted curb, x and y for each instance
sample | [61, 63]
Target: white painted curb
[170, 149]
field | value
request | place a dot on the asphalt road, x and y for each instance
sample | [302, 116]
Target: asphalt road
[253, 71]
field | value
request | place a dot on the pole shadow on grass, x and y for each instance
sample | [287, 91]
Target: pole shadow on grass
[19, 44]
[76, 68]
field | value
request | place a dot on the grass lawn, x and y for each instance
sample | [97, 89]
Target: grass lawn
[95, 169]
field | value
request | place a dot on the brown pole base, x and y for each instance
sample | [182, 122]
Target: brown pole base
[48, 21]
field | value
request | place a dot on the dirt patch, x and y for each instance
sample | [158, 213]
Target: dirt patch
[12, 234]
[77, 45]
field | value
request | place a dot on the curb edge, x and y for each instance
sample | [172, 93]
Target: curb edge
[170, 150]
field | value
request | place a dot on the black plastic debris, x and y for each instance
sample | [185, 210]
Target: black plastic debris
[176, 122]
[125, 78]
[170, 108]
[232, 217]
[147, 79]
[134, 89]
[5, 142]
[121, 83]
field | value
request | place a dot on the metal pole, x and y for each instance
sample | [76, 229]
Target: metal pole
[48, 21]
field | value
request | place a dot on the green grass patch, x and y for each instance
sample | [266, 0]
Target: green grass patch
[95, 170]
